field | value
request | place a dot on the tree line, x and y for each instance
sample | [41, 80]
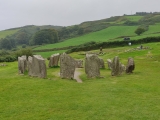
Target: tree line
[22, 37]
[37, 36]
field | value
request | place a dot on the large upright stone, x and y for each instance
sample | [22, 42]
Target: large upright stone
[109, 62]
[54, 59]
[67, 66]
[115, 66]
[22, 64]
[37, 66]
[102, 65]
[92, 65]
[79, 63]
[130, 65]
[30, 66]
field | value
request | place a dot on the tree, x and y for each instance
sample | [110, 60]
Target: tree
[22, 37]
[47, 36]
[7, 43]
[139, 31]
[24, 51]
[80, 31]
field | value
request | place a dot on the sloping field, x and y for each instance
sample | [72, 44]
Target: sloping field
[5, 33]
[125, 97]
[133, 18]
[100, 36]
[153, 31]
[108, 34]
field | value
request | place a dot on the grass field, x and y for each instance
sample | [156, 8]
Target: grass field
[134, 18]
[4, 33]
[103, 35]
[48, 54]
[108, 34]
[125, 97]
[154, 30]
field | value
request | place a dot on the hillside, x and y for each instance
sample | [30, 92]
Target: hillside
[109, 29]
[29, 29]
[110, 34]
[115, 29]
[6, 33]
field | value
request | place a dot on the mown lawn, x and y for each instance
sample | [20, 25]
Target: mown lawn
[125, 97]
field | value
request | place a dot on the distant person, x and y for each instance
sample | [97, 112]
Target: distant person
[100, 50]
[141, 47]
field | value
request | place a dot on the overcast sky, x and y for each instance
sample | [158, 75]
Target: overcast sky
[17, 13]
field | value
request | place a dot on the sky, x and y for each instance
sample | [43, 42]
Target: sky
[18, 13]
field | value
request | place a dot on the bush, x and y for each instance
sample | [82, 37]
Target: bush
[23, 46]
[26, 51]
[8, 58]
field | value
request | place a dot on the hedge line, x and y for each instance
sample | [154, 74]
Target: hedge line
[94, 45]
[53, 49]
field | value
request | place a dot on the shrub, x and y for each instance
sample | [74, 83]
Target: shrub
[8, 58]
[26, 51]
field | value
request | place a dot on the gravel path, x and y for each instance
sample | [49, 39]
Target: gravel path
[77, 74]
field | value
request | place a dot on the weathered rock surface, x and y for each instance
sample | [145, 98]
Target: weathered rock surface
[67, 66]
[130, 65]
[122, 68]
[22, 64]
[102, 65]
[109, 62]
[30, 66]
[115, 66]
[37, 66]
[92, 65]
[79, 63]
[54, 59]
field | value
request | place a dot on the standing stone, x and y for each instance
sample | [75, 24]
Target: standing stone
[109, 62]
[92, 65]
[115, 66]
[79, 63]
[101, 63]
[37, 66]
[54, 59]
[30, 66]
[67, 66]
[22, 64]
[130, 65]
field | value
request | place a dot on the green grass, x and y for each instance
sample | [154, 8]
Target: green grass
[4, 33]
[103, 35]
[48, 54]
[108, 34]
[154, 31]
[133, 18]
[134, 96]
